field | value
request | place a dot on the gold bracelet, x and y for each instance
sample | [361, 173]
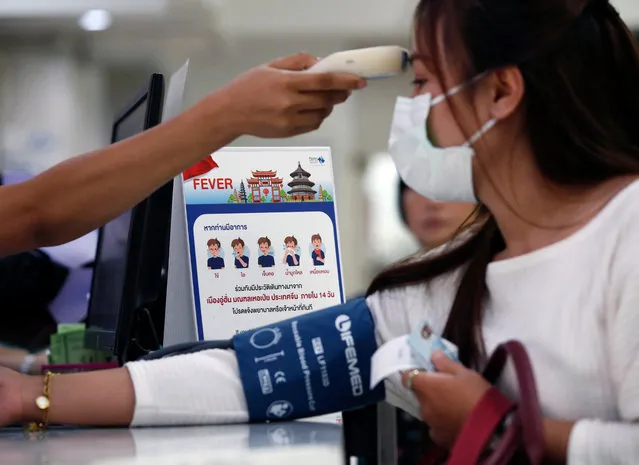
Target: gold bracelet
[43, 402]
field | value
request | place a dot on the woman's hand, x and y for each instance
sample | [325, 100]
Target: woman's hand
[447, 397]
[10, 397]
[276, 100]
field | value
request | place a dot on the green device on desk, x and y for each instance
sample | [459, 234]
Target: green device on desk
[67, 347]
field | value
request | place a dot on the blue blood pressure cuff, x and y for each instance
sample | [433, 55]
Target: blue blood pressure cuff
[309, 365]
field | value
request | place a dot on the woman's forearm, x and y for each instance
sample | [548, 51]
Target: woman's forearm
[104, 398]
[556, 437]
[81, 194]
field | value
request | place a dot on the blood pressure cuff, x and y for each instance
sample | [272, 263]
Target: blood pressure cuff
[309, 365]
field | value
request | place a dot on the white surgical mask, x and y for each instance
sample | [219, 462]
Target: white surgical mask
[438, 173]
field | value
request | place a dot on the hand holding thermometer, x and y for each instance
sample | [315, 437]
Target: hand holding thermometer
[368, 63]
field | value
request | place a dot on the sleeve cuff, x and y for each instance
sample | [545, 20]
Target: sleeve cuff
[145, 405]
[594, 442]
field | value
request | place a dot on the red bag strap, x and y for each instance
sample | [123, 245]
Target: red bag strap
[479, 427]
[507, 446]
[528, 408]
[493, 407]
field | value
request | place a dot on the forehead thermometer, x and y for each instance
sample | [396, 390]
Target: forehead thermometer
[368, 63]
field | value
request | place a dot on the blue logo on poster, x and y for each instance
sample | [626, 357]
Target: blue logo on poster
[279, 409]
[266, 337]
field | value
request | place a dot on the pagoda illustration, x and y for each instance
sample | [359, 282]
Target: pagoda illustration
[263, 184]
[243, 197]
[301, 186]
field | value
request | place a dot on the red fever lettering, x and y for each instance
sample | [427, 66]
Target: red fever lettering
[212, 183]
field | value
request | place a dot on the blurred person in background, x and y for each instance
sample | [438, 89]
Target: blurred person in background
[433, 223]
[22, 361]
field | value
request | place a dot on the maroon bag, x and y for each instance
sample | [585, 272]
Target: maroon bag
[522, 441]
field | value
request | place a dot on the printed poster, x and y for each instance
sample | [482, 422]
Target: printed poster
[263, 238]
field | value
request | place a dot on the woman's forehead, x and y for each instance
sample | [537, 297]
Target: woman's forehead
[420, 48]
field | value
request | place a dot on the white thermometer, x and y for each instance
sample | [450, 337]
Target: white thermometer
[368, 63]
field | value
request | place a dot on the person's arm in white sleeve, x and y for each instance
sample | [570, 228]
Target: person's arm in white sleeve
[205, 387]
[594, 442]
[193, 389]
[398, 310]
[199, 388]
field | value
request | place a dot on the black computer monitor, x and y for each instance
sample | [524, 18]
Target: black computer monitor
[128, 292]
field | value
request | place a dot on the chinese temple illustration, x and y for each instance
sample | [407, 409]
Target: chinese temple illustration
[301, 186]
[263, 184]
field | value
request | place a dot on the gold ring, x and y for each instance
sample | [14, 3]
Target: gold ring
[409, 378]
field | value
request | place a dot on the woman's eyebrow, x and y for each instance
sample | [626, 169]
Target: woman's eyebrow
[425, 59]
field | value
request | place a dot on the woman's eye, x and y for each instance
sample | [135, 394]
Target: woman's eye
[419, 83]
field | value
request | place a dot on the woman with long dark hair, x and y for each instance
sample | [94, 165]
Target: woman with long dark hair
[535, 111]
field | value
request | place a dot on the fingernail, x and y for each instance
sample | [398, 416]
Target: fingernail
[438, 355]
[361, 84]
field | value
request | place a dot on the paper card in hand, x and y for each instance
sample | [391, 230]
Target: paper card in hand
[423, 342]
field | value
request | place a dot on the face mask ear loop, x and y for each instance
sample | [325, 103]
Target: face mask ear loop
[457, 89]
[483, 130]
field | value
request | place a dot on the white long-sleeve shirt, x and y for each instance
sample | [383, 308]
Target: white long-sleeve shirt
[573, 304]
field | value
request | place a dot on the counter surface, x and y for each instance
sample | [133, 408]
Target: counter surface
[297, 443]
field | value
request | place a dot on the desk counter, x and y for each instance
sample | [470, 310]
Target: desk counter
[295, 443]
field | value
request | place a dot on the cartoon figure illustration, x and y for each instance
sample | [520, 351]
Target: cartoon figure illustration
[318, 255]
[215, 262]
[241, 260]
[266, 260]
[291, 257]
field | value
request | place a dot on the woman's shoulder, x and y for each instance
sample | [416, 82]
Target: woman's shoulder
[614, 233]
[624, 209]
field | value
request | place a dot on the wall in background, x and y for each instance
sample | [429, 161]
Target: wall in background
[52, 105]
